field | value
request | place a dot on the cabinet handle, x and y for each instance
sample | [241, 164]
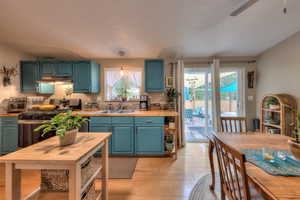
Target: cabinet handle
[148, 121]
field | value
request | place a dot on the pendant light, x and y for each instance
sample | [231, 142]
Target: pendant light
[122, 71]
[285, 7]
[121, 54]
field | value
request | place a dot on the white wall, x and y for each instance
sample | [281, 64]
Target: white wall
[10, 56]
[279, 69]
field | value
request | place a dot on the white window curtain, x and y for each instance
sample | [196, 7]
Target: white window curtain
[215, 70]
[180, 88]
[113, 75]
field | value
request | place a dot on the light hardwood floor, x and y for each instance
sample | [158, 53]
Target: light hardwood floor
[154, 178]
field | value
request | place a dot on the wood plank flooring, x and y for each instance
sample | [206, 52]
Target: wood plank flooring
[154, 178]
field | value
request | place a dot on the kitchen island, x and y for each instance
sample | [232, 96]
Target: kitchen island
[48, 155]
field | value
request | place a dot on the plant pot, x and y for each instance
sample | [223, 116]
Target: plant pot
[294, 148]
[274, 107]
[70, 138]
[169, 147]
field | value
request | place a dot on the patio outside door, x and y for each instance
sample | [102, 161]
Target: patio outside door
[197, 104]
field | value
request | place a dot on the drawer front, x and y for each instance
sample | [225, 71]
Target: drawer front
[100, 120]
[9, 121]
[122, 120]
[148, 121]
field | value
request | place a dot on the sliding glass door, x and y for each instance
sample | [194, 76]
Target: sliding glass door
[231, 92]
[197, 104]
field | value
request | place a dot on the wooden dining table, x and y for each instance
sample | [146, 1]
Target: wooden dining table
[273, 187]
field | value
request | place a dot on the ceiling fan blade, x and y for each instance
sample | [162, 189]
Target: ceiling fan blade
[242, 8]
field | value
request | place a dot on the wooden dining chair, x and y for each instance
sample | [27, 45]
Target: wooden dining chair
[234, 124]
[233, 176]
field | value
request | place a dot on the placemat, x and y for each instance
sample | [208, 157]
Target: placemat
[287, 167]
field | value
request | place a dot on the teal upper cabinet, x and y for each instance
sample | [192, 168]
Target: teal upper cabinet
[64, 68]
[154, 76]
[84, 74]
[47, 68]
[29, 76]
[56, 68]
[86, 77]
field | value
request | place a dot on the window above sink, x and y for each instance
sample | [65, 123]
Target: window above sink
[122, 82]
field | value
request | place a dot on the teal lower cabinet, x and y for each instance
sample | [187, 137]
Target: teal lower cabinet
[8, 134]
[102, 129]
[132, 135]
[122, 140]
[149, 140]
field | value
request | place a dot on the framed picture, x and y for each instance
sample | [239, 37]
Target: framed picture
[169, 81]
[251, 76]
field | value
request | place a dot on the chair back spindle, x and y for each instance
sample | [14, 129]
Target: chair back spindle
[234, 124]
[234, 183]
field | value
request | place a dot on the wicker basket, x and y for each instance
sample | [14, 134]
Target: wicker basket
[90, 193]
[58, 180]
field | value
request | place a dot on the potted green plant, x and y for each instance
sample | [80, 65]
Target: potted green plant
[272, 103]
[294, 144]
[169, 142]
[65, 125]
[172, 95]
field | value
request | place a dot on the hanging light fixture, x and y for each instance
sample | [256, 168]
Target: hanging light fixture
[285, 7]
[122, 71]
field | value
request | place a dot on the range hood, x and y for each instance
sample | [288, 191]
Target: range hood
[53, 79]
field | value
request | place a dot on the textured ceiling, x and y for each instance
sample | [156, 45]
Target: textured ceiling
[145, 28]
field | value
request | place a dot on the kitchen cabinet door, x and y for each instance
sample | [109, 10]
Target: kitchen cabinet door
[154, 76]
[29, 76]
[47, 68]
[82, 77]
[64, 68]
[9, 139]
[149, 140]
[122, 140]
[103, 129]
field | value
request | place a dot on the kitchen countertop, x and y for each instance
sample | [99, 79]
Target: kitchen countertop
[9, 114]
[137, 113]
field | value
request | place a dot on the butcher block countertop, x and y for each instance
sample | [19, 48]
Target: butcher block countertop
[137, 113]
[94, 113]
[9, 114]
[49, 151]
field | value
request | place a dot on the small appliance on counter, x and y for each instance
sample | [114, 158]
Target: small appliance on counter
[16, 104]
[155, 106]
[72, 104]
[144, 102]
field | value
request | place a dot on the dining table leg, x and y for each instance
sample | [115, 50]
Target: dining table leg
[12, 182]
[211, 161]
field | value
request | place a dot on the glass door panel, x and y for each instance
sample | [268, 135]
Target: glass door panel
[231, 92]
[197, 104]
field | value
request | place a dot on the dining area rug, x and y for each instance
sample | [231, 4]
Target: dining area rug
[201, 190]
